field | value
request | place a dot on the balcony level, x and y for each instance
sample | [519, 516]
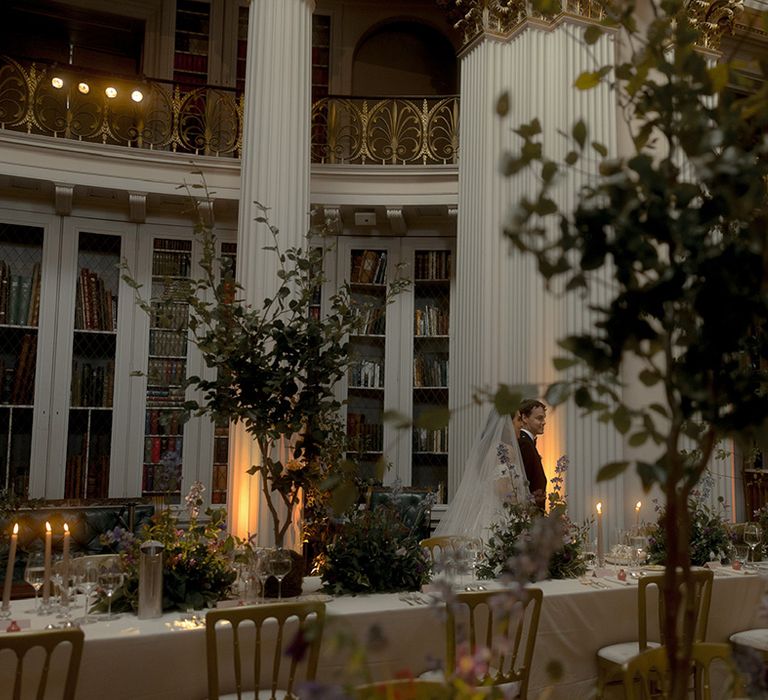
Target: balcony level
[93, 132]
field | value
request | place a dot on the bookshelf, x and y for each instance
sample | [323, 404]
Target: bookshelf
[21, 253]
[166, 370]
[191, 43]
[94, 346]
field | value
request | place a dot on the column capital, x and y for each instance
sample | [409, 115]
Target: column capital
[714, 18]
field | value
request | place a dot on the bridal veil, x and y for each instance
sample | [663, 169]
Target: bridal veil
[493, 474]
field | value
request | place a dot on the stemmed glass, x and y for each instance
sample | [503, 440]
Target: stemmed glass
[281, 567]
[87, 580]
[461, 559]
[110, 578]
[263, 570]
[752, 536]
[34, 575]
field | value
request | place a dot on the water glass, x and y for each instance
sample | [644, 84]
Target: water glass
[34, 575]
[282, 563]
[110, 579]
[87, 580]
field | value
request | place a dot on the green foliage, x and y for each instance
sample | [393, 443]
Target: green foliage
[516, 524]
[374, 552]
[710, 534]
[197, 562]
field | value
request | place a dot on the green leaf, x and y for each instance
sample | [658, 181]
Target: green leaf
[661, 410]
[600, 148]
[592, 34]
[622, 419]
[562, 363]
[649, 377]
[571, 158]
[502, 104]
[649, 475]
[557, 393]
[587, 80]
[433, 418]
[637, 439]
[579, 133]
[719, 76]
[399, 419]
[343, 497]
[548, 171]
[611, 470]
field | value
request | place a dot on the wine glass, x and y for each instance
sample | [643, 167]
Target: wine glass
[110, 579]
[474, 551]
[281, 567]
[34, 575]
[262, 570]
[87, 580]
[741, 554]
[752, 536]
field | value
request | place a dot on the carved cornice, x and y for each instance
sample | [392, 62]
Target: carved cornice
[714, 18]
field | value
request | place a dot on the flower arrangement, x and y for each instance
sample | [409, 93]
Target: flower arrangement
[374, 552]
[513, 531]
[710, 533]
[197, 560]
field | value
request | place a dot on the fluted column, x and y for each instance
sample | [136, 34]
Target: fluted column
[274, 172]
[505, 323]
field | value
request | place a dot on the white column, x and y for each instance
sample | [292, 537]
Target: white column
[274, 172]
[506, 325]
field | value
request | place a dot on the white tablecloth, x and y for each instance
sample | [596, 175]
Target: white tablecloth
[131, 659]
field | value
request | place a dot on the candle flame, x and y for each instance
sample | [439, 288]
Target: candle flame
[599, 507]
[47, 526]
[66, 528]
[16, 529]
[638, 505]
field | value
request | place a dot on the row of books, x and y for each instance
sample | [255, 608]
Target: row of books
[430, 371]
[161, 478]
[18, 385]
[373, 320]
[95, 304]
[165, 372]
[171, 264]
[190, 62]
[155, 447]
[19, 296]
[425, 440]
[91, 481]
[167, 343]
[92, 385]
[431, 320]
[364, 437]
[170, 316]
[432, 265]
[165, 396]
[163, 422]
[367, 374]
[369, 266]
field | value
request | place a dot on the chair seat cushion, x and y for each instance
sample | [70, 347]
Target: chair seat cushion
[509, 690]
[756, 638]
[621, 653]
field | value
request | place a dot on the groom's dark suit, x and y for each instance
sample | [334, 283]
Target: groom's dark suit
[534, 470]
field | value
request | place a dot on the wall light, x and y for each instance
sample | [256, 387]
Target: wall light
[137, 95]
[84, 88]
[57, 82]
[111, 92]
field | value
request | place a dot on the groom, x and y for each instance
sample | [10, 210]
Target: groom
[532, 416]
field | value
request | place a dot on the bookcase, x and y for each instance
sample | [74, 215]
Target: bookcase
[191, 47]
[400, 358]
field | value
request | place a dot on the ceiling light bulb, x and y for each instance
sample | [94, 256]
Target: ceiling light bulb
[84, 88]
[137, 96]
[57, 82]
[111, 92]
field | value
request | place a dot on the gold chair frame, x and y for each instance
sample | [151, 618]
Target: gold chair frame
[281, 613]
[442, 543]
[512, 662]
[701, 579]
[22, 642]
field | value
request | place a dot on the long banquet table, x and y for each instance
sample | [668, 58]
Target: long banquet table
[165, 658]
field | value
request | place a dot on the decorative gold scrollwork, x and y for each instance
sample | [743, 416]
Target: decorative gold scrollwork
[394, 130]
[714, 18]
[14, 94]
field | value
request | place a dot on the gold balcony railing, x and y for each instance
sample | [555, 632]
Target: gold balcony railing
[387, 130]
[208, 121]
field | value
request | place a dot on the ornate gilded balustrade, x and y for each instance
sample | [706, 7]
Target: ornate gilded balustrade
[209, 120]
[387, 130]
[205, 121]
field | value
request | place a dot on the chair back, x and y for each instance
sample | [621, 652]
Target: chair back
[699, 596]
[437, 543]
[646, 675]
[509, 634]
[238, 641]
[54, 667]
[404, 689]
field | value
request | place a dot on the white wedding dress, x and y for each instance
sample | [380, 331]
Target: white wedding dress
[494, 474]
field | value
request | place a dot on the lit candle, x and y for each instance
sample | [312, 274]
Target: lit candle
[638, 506]
[65, 561]
[47, 579]
[9, 569]
[600, 545]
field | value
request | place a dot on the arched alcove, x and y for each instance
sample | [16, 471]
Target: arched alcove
[404, 58]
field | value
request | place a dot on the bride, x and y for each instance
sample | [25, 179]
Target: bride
[493, 475]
